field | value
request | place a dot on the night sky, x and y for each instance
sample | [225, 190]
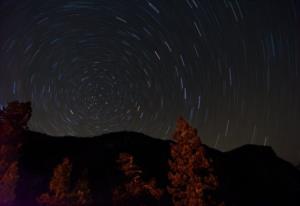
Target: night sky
[230, 67]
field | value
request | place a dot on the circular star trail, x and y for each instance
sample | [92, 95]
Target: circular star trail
[89, 67]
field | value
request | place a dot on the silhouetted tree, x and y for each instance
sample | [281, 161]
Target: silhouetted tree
[13, 120]
[135, 191]
[6, 130]
[60, 193]
[192, 181]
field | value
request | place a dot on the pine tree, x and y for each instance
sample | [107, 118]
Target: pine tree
[13, 120]
[135, 191]
[8, 173]
[60, 193]
[59, 186]
[191, 174]
[8, 181]
[82, 192]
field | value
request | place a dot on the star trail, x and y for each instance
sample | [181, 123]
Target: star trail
[230, 67]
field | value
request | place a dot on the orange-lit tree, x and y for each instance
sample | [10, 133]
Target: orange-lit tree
[135, 191]
[191, 176]
[13, 120]
[60, 193]
[82, 192]
[8, 181]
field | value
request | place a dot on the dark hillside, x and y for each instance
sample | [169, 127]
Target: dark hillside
[250, 175]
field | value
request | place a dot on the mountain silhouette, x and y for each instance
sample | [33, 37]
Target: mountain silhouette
[249, 175]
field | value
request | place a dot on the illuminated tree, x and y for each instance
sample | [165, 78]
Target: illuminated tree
[8, 181]
[59, 189]
[82, 192]
[135, 191]
[13, 120]
[59, 186]
[8, 174]
[191, 174]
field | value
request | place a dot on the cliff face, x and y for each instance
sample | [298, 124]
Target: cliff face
[250, 175]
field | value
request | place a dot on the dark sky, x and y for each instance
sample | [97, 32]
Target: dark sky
[231, 67]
